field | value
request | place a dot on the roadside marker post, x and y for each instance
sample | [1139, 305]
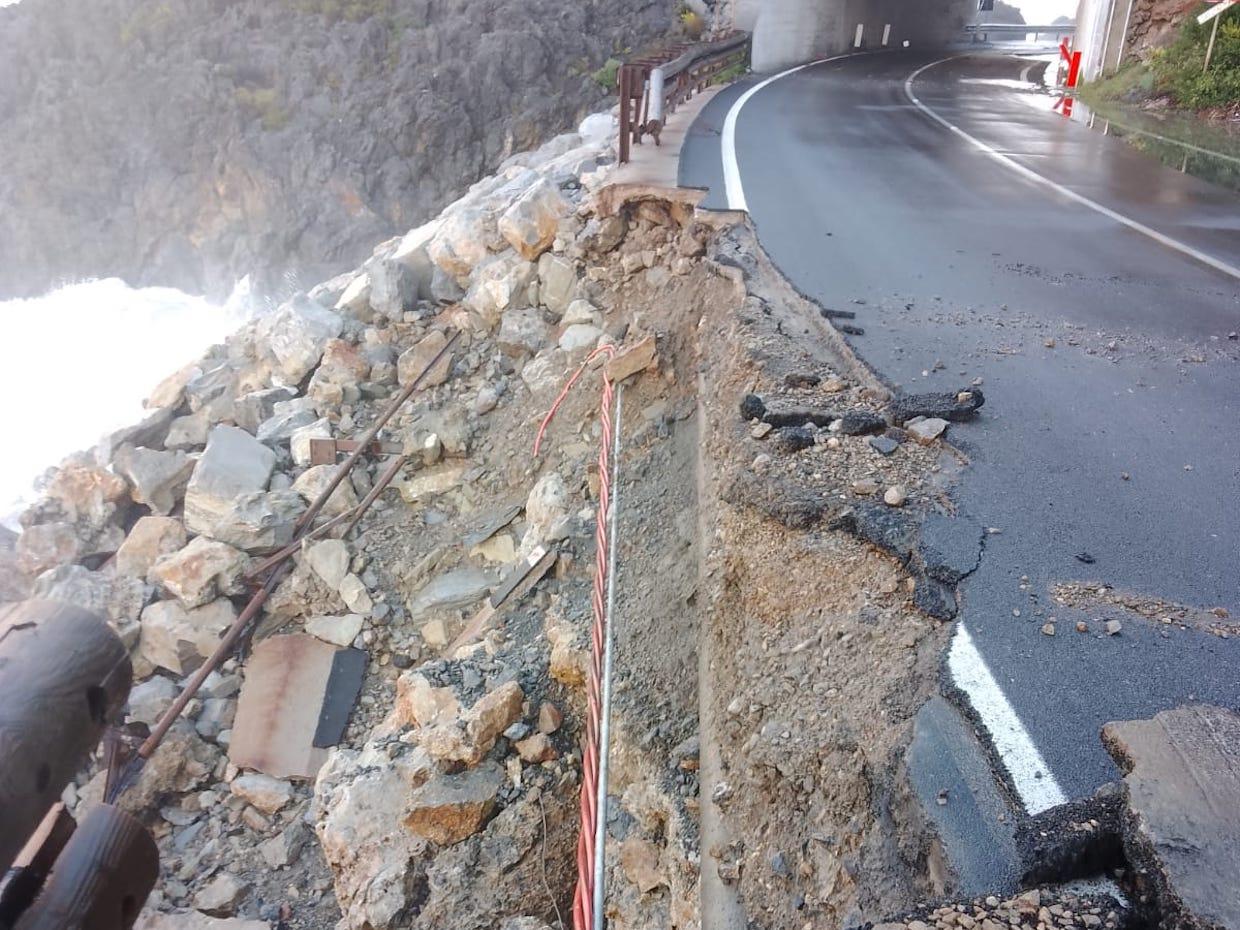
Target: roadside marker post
[1215, 13]
[1074, 72]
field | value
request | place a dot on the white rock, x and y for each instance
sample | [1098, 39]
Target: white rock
[460, 243]
[200, 571]
[339, 631]
[580, 336]
[329, 558]
[557, 282]
[895, 496]
[299, 442]
[529, 224]
[353, 592]
[157, 479]
[150, 538]
[178, 639]
[314, 480]
[926, 430]
[581, 311]
[149, 699]
[261, 520]
[500, 283]
[234, 463]
[295, 335]
[267, 794]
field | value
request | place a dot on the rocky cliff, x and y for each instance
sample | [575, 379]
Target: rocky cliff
[190, 142]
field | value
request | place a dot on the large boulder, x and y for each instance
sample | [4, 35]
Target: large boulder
[295, 336]
[411, 362]
[234, 463]
[86, 494]
[523, 332]
[180, 639]
[343, 366]
[47, 545]
[253, 408]
[500, 283]
[529, 224]
[557, 282]
[393, 288]
[260, 520]
[361, 800]
[461, 241]
[158, 479]
[119, 598]
[314, 481]
[414, 252]
[150, 538]
[203, 570]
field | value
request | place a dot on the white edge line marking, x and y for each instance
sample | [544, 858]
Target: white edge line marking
[1032, 779]
[734, 191]
[1181, 247]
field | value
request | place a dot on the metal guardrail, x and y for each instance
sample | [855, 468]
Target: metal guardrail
[982, 31]
[653, 86]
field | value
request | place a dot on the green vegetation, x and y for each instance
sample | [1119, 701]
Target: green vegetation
[1176, 71]
[335, 10]
[147, 23]
[265, 103]
[693, 23]
[607, 76]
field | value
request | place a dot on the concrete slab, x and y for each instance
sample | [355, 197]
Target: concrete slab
[654, 169]
[1182, 825]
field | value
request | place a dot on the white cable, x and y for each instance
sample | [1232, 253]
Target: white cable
[600, 809]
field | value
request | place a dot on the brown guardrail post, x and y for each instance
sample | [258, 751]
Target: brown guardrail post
[64, 676]
[623, 82]
[101, 878]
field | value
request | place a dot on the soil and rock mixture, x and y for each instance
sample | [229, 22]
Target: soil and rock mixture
[783, 590]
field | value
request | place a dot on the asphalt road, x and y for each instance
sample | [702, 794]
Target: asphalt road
[959, 268]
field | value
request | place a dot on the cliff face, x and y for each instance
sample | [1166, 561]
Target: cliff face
[1155, 23]
[189, 142]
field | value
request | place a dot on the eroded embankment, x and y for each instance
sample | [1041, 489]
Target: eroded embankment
[756, 457]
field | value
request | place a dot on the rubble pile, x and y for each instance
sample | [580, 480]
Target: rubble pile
[442, 788]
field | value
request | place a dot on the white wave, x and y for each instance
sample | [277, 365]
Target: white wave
[75, 364]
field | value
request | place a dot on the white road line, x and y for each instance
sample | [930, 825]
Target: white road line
[1181, 247]
[733, 189]
[1028, 771]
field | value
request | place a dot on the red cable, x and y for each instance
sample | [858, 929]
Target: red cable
[583, 896]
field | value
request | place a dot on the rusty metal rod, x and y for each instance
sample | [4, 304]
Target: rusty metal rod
[281, 554]
[385, 479]
[347, 465]
[148, 747]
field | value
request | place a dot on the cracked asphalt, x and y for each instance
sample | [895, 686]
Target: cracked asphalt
[1108, 450]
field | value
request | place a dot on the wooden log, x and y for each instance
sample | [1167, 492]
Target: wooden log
[64, 675]
[101, 879]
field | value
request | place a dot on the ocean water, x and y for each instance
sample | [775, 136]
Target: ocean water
[76, 363]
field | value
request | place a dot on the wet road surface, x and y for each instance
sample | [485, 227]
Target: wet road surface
[1102, 353]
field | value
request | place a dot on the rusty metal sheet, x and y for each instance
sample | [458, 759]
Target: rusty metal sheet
[324, 451]
[278, 711]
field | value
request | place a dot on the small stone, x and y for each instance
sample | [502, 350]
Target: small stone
[1048, 629]
[450, 808]
[895, 496]
[329, 558]
[1082, 626]
[1113, 627]
[760, 430]
[549, 718]
[867, 487]
[355, 595]
[411, 362]
[267, 794]
[536, 748]
[883, 445]
[926, 430]
[221, 895]
[339, 631]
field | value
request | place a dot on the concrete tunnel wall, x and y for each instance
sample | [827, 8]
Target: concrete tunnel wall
[789, 32]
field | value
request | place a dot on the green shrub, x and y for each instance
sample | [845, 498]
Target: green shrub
[1178, 68]
[265, 103]
[607, 76]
